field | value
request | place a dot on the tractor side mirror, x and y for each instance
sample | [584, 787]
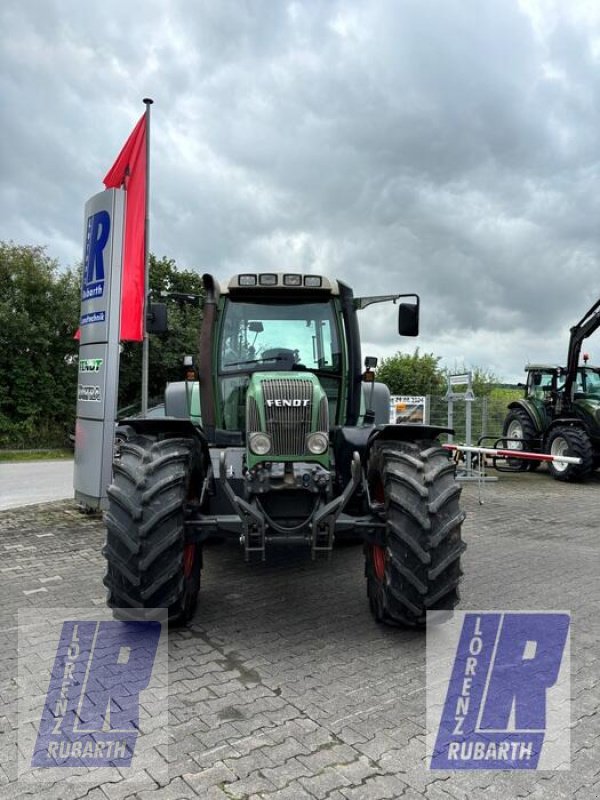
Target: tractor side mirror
[156, 318]
[368, 375]
[408, 319]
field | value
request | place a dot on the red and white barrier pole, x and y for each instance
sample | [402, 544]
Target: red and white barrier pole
[491, 451]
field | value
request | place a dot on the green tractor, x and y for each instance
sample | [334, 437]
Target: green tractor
[560, 412]
[284, 440]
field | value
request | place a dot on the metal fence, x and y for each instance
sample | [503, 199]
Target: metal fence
[487, 416]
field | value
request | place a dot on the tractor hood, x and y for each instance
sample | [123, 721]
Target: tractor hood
[589, 406]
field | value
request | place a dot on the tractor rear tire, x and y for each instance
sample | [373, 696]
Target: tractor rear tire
[518, 425]
[149, 563]
[568, 441]
[414, 489]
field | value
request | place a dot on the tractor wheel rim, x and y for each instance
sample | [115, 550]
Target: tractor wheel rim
[515, 431]
[379, 557]
[559, 447]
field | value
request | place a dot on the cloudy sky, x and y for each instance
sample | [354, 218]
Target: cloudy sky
[450, 148]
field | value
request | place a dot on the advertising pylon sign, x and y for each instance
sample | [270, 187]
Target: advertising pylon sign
[98, 370]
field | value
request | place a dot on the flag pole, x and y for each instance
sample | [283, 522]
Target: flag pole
[146, 342]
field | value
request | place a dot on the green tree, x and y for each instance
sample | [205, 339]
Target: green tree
[166, 350]
[414, 374]
[39, 309]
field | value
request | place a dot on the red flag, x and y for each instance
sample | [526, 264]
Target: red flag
[130, 171]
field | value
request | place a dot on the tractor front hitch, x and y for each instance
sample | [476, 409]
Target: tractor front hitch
[320, 525]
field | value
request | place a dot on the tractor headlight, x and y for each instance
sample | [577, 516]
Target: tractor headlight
[317, 443]
[260, 443]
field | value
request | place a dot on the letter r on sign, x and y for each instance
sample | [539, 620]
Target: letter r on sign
[110, 696]
[521, 679]
[97, 237]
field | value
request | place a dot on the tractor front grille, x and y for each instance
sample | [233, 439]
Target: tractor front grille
[324, 415]
[288, 425]
[252, 416]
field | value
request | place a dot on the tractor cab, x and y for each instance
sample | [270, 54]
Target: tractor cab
[544, 383]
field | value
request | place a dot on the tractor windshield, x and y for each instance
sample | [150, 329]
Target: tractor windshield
[269, 337]
[540, 383]
[588, 381]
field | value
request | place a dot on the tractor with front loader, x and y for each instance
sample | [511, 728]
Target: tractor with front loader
[560, 411]
[283, 439]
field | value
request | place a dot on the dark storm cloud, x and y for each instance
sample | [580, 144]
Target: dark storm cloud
[445, 148]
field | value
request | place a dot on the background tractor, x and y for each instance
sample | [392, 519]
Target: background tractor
[560, 412]
[282, 439]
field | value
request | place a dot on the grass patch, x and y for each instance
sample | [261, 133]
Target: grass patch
[505, 394]
[36, 455]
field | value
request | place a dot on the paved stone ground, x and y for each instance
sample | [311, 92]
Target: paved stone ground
[284, 688]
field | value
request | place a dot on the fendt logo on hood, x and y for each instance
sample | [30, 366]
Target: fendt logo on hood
[295, 403]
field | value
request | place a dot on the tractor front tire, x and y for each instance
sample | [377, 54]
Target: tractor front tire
[567, 441]
[417, 569]
[518, 425]
[149, 564]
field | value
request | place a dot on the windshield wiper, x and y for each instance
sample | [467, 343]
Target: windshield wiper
[254, 361]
